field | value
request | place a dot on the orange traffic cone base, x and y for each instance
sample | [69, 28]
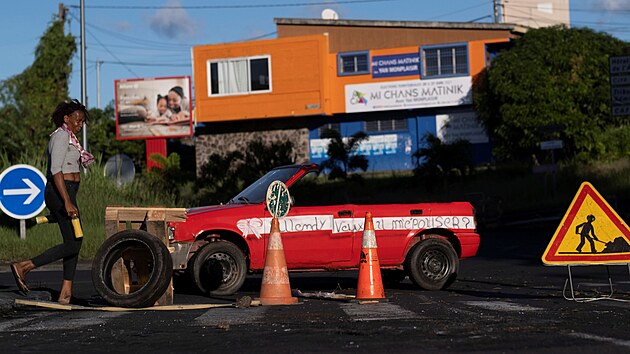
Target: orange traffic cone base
[278, 301]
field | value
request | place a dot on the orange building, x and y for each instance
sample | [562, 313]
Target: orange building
[396, 81]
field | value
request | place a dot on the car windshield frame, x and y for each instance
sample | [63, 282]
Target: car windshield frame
[256, 192]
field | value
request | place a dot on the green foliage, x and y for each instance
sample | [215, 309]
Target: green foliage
[102, 137]
[224, 175]
[438, 162]
[551, 76]
[615, 142]
[29, 98]
[260, 158]
[168, 177]
[342, 156]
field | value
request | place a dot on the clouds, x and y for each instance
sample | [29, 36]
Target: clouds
[612, 5]
[172, 22]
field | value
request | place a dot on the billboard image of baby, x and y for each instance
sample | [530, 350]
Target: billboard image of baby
[153, 108]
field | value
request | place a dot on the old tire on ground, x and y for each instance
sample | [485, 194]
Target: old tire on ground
[148, 264]
[432, 264]
[219, 268]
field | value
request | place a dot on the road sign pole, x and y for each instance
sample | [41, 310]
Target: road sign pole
[22, 229]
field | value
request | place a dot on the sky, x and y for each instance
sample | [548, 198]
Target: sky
[153, 38]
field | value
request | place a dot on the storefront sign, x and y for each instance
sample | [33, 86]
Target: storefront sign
[376, 145]
[619, 68]
[385, 96]
[460, 126]
[395, 65]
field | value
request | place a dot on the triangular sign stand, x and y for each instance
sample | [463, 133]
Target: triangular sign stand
[574, 243]
[590, 233]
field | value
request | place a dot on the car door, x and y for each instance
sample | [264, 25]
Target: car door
[310, 239]
[394, 225]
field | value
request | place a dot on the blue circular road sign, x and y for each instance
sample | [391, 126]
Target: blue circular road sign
[22, 191]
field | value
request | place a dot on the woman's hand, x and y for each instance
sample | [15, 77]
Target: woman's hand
[71, 209]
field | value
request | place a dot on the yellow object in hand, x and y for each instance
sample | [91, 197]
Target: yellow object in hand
[78, 232]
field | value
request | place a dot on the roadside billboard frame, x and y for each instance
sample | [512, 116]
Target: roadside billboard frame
[135, 104]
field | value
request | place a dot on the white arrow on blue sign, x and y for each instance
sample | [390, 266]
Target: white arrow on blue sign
[22, 191]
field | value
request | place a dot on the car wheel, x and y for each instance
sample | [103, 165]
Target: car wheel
[432, 264]
[219, 268]
[145, 265]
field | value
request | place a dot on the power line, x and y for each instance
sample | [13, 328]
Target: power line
[462, 10]
[110, 53]
[216, 7]
[188, 65]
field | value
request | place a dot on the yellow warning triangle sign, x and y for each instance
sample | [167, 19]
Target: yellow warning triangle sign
[590, 232]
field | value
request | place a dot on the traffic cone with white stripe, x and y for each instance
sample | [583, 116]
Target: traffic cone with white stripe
[370, 286]
[275, 289]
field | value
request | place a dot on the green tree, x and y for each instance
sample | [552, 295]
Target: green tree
[342, 156]
[224, 175]
[102, 137]
[439, 161]
[29, 98]
[551, 76]
[260, 158]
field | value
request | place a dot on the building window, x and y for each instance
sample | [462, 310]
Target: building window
[444, 61]
[237, 76]
[386, 125]
[353, 63]
[329, 126]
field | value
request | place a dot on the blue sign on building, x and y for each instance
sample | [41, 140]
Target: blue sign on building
[22, 191]
[396, 65]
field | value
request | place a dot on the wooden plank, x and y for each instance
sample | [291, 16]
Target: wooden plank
[57, 306]
[111, 222]
[139, 213]
[156, 225]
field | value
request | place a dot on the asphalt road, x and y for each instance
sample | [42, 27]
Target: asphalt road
[505, 300]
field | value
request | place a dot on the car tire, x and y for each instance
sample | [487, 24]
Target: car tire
[219, 268]
[139, 249]
[432, 264]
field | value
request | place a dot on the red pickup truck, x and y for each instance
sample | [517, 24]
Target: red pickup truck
[219, 245]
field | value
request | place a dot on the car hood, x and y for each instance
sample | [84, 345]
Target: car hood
[212, 208]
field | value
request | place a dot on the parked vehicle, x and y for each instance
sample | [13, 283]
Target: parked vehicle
[219, 245]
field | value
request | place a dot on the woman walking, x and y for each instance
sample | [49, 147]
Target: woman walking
[65, 159]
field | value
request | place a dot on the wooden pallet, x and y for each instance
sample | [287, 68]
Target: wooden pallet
[156, 220]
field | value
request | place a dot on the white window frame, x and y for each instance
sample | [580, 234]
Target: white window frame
[249, 68]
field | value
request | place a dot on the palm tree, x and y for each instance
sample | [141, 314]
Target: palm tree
[342, 156]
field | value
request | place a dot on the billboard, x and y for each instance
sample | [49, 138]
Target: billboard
[153, 108]
[390, 95]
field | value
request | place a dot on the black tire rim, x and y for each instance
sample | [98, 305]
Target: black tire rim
[223, 263]
[435, 265]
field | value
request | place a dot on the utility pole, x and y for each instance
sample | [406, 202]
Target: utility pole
[495, 4]
[98, 83]
[83, 78]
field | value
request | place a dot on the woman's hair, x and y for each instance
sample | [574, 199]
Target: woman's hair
[66, 108]
[178, 90]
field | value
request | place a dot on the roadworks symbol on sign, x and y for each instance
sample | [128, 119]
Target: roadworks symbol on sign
[591, 232]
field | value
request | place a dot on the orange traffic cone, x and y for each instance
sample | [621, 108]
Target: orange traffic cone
[370, 285]
[275, 289]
